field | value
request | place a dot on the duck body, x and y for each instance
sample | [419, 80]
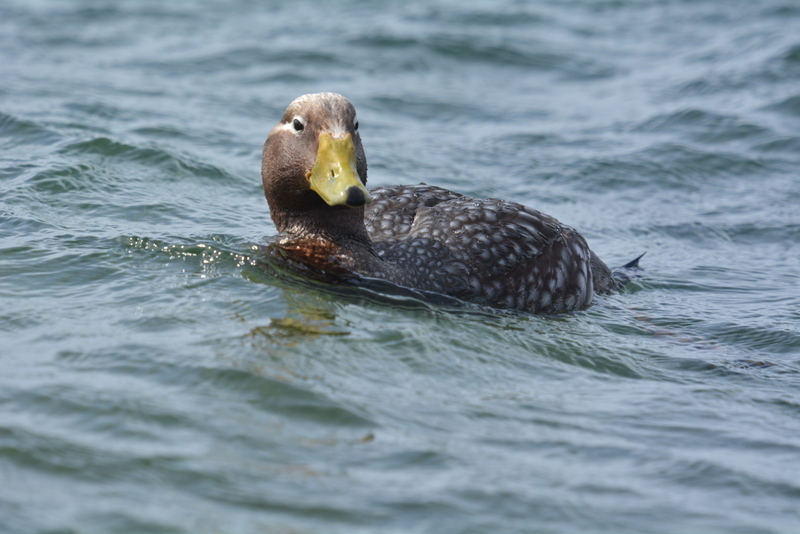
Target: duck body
[485, 250]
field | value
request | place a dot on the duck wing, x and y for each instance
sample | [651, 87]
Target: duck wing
[394, 208]
[494, 251]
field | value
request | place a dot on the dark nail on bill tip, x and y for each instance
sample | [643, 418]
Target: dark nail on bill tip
[355, 197]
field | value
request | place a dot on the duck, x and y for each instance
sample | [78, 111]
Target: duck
[487, 251]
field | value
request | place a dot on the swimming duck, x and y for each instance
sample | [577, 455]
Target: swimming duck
[485, 250]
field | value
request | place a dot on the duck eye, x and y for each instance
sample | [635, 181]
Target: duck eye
[355, 126]
[298, 125]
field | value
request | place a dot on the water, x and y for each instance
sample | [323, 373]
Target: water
[155, 378]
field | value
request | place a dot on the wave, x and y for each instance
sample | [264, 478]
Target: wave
[16, 132]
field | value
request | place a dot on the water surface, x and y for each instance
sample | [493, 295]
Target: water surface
[155, 378]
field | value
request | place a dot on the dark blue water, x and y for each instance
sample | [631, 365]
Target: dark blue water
[154, 377]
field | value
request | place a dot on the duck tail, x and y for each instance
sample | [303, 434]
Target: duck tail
[629, 271]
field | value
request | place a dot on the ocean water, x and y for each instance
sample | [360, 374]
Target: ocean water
[156, 377]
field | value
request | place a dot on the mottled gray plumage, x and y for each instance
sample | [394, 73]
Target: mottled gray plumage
[489, 251]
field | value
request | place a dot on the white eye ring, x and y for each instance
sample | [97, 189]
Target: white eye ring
[355, 123]
[298, 124]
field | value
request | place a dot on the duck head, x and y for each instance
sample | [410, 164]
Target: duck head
[314, 169]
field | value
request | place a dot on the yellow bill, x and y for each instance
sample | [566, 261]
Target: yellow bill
[334, 176]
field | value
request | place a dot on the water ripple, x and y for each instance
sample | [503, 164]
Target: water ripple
[155, 360]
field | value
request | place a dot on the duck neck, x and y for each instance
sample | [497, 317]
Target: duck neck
[341, 226]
